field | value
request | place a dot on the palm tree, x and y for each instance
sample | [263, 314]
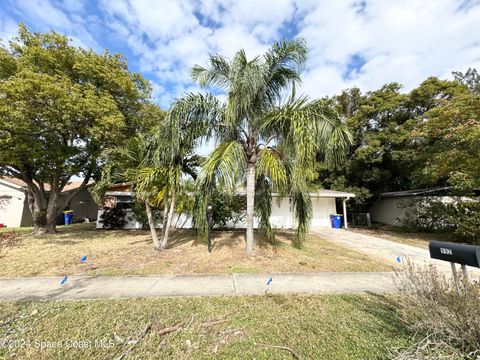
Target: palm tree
[265, 139]
[172, 149]
[130, 163]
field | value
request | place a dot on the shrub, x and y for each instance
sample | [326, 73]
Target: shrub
[140, 214]
[448, 322]
[227, 208]
[467, 216]
[461, 218]
[113, 218]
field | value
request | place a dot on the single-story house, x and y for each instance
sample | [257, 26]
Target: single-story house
[390, 207]
[14, 210]
[324, 204]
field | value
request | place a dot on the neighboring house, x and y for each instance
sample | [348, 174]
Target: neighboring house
[391, 208]
[14, 210]
[282, 217]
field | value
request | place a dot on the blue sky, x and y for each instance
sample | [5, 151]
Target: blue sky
[361, 43]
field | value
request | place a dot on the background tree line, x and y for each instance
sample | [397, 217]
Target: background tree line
[429, 137]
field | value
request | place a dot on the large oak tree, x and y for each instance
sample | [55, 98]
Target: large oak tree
[60, 107]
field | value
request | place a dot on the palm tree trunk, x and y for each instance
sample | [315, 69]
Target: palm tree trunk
[164, 220]
[250, 205]
[166, 231]
[151, 224]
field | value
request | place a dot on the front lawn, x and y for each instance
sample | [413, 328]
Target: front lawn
[314, 327]
[131, 253]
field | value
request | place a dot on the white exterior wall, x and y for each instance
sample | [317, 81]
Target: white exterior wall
[282, 213]
[322, 208]
[133, 224]
[13, 206]
[387, 211]
[281, 218]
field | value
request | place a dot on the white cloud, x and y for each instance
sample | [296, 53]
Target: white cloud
[8, 29]
[44, 11]
[397, 40]
[402, 41]
[49, 16]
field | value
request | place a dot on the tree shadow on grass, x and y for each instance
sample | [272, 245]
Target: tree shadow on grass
[179, 237]
[233, 238]
[383, 309]
[227, 239]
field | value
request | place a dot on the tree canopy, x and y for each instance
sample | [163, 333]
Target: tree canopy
[267, 137]
[60, 107]
[428, 137]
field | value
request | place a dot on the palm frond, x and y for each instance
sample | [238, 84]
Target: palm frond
[216, 74]
[226, 165]
[263, 206]
[271, 164]
[303, 214]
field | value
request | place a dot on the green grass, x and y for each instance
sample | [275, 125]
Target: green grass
[315, 327]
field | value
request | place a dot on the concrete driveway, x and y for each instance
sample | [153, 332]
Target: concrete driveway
[383, 249]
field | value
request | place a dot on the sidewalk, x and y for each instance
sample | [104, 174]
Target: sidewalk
[83, 287]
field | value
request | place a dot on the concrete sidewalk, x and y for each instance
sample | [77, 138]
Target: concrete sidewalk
[83, 287]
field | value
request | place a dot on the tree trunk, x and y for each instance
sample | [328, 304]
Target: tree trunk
[250, 205]
[151, 224]
[169, 222]
[165, 217]
[37, 204]
[50, 226]
[39, 217]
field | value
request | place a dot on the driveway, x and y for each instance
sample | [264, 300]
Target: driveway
[387, 250]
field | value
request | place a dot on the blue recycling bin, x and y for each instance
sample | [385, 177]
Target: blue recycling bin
[336, 221]
[68, 217]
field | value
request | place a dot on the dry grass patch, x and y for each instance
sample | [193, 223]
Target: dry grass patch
[131, 253]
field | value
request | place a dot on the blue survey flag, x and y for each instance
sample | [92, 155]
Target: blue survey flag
[399, 259]
[64, 280]
[269, 281]
[83, 258]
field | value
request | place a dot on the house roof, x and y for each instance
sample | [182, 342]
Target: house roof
[331, 193]
[119, 193]
[416, 192]
[71, 185]
[324, 193]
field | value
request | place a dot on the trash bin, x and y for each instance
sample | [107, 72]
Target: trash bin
[68, 217]
[336, 221]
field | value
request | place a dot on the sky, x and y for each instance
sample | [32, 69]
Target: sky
[351, 43]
